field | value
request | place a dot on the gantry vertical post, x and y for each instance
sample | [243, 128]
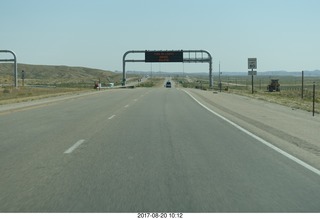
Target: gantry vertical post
[15, 67]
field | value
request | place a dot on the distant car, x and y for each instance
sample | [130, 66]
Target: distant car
[168, 84]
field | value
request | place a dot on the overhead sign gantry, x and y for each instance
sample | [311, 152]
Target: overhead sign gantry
[185, 56]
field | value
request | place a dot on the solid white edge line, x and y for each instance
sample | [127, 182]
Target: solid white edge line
[73, 147]
[291, 157]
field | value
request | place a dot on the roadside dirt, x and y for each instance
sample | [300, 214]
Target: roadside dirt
[295, 131]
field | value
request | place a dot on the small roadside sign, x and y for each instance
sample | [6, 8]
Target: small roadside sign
[252, 63]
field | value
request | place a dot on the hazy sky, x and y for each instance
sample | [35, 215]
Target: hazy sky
[281, 34]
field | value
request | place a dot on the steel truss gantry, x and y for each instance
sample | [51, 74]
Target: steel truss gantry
[189, 56]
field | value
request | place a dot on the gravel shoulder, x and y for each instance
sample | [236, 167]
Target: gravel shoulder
[295, 131]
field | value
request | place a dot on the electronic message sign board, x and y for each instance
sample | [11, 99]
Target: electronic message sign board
[163, 56]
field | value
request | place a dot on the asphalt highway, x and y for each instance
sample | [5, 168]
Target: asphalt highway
[142, 150]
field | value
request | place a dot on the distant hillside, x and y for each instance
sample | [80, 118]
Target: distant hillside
[47, 74]
[315, 73]
[48, 71]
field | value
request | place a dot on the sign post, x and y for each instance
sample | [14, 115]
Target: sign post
[252, 64]
[302, 88]
[23, 77]
[313, 97]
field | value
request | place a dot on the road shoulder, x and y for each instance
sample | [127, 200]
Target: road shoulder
[294, 131]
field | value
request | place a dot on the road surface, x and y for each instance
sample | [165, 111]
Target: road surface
[142, 150]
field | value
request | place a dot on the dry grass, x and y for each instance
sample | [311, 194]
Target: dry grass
[12, 95]
[152, 82]
[290, 94]
[286, 98]
[289, 97]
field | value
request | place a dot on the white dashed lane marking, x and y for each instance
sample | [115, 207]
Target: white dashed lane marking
[73, 147]
[111, 117]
